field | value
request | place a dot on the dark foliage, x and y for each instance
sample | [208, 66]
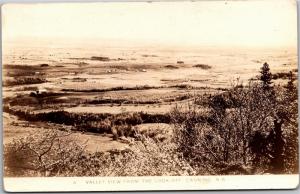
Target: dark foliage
[44, 65]
[100, 58]
[246, 130]
[97, 123]
[203, 66]
[281, 75]
[24, 81]
[266, 76]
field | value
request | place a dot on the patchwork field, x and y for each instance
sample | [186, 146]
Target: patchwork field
[92, 112]
[116, 82]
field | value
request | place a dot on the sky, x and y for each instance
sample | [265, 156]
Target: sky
[252, 23]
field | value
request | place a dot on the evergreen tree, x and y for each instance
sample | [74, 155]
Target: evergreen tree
[291, 90]
[266, 76]
[290, 108]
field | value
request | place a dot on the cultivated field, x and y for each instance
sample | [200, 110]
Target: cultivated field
[110, 100]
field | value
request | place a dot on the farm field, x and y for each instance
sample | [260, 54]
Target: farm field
[115, 82]
[118, 96]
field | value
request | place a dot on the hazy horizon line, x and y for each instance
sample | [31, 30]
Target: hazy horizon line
[122, 43]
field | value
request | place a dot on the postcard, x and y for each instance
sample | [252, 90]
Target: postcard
[141, 96]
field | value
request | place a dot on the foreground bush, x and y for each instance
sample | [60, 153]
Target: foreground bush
[47, 153]
[51, 154]
[247, 130]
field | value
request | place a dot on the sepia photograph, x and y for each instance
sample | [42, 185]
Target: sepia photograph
[193, 91]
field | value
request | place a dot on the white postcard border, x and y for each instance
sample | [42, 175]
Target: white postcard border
[230, 182]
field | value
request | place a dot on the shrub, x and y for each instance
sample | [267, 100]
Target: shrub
[24, 81]
[49, 154]
[281, 75]
[245, 130]
[45, 154]
[100, 58]
[171, 67]
[203, 66]
[124, 130]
